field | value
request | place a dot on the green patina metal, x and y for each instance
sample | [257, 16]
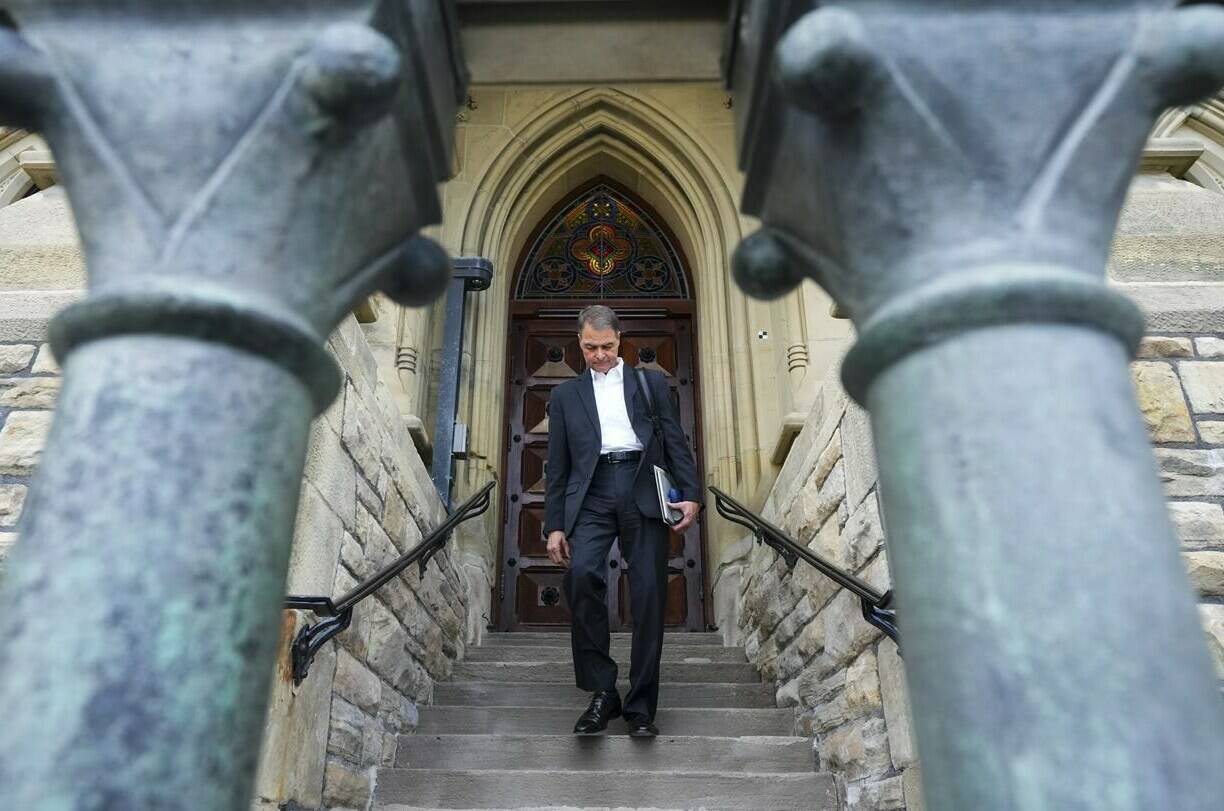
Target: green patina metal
[1015, 473]
[952, 172]
[289, 154]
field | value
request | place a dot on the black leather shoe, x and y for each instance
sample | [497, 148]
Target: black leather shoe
[605, 705]
[639, 727]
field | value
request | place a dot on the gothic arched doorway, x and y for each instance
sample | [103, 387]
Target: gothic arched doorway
[601, 245]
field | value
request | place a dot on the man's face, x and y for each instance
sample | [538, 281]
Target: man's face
[599, 347]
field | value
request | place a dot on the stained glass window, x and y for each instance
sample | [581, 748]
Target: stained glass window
[602, 246]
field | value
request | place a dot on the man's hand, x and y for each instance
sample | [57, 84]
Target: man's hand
[690, 510]
[558, 548]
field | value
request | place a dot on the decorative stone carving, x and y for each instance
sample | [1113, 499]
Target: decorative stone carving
[952, 173]
[162, 232]
[242, 175]
[977, 195]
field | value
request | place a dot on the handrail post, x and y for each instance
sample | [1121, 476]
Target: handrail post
[243, 174]
[952, 174]
[472, 274]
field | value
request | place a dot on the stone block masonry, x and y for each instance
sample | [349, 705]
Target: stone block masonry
[29, 383]
[1189, 383]
[845, 680]
[1192, 462]
[843, 677]
[366, 498]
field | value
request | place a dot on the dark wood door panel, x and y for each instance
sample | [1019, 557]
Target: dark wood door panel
[531, 532]
[535, 411]
[675, 544]
[544, 353]
[534, 460]
[539, 597]
[656, 351]
[552, 355]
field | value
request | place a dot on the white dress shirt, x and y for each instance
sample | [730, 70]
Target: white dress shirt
[614, 426]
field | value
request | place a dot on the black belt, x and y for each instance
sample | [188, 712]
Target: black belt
[620, 457]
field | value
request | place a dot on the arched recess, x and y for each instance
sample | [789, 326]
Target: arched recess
[604, 204]
[601, 244]
[633, 140]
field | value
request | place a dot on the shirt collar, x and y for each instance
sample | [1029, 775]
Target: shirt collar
[614, 375]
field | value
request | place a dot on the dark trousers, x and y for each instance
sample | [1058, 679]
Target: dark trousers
[608, 513]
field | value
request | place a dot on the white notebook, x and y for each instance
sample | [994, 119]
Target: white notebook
[663, 484]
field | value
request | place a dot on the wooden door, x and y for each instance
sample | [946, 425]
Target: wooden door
[544, 353]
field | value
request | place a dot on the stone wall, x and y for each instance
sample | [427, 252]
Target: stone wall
[844, 678]
[366, 498]
[28, 389]
[1180, 383]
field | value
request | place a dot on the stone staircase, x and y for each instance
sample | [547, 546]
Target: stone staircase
[498, 737]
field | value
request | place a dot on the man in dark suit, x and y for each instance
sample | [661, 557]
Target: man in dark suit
[601, 486]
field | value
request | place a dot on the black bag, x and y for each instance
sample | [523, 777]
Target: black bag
[670, 516]
[644, 385]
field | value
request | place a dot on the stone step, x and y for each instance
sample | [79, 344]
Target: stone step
[671, 694]
[400, 789]
[562, 671]
[620, 652]
[563, 638]
[716, 722]
[605, 753]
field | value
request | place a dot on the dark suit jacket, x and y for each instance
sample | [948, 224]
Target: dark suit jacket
[574, 442]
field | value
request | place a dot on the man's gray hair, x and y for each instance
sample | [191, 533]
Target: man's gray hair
[600, 318]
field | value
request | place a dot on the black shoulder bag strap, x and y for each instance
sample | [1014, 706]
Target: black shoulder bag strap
[644, 385]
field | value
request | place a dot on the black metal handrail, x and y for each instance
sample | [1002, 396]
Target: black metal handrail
[877, 608]
[339, 613]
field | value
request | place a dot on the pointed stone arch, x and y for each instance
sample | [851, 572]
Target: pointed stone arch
[641, 217]
[633, 139]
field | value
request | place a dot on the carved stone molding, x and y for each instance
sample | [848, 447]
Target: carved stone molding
[406, 359]
[796, 358]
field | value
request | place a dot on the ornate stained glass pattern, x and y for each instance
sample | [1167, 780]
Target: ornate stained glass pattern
[602, 246]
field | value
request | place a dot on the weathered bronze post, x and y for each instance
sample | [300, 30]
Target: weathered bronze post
[951, 172]
[243, 173]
